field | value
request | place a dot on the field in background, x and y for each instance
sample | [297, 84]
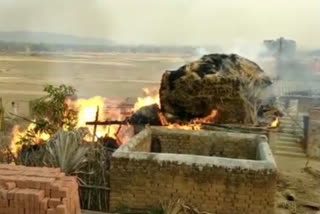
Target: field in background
[111, 75]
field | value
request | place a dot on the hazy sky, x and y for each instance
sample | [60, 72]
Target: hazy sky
[195, 22]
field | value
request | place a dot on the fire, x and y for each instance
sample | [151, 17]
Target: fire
[194, 125]
[87, 112]
[184, 126]
[207, 119]
[17, 134]
[151, 97]
[275, 123]
[87, 109]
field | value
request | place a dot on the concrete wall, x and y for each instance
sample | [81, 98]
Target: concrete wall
[307, 103]
[142, 180]
[313, 144]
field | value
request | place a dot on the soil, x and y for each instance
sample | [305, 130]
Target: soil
[298, 186]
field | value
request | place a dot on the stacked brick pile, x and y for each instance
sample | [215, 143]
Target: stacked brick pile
[33, 190]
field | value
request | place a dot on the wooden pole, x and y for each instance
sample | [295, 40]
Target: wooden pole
[107, 123]
[1, 116]
[95, 125]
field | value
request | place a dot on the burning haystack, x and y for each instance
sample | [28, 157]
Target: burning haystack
[230, 84]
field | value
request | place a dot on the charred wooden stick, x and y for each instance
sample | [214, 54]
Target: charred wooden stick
[107, 123]
[24, 118]
[115, 122]
[95, 125]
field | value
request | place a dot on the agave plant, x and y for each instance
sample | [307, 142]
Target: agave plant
[66, 151]
[179, 207]
[172, 207]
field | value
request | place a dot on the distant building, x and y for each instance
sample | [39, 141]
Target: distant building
[281, 48]
[283, 51]
[316, 66]
[27, 50]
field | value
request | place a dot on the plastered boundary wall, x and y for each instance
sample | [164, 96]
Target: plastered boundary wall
[313, 144]
[141, 180]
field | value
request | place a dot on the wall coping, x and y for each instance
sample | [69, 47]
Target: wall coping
[316, 109]
[265, 160]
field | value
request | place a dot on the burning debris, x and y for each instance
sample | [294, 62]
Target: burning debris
[214, 82]
[147, 115]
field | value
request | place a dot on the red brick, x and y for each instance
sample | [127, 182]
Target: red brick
[20, 210]
[12, 203]
[47, 192]
[44, 204]
[3, 194]
[39, 195]
[36, 211]
[10, 185]
[61, 193]
[54, 202]
[61, 209]
[31, 188]
[51, 211]
[11, 194]
[4, 203]
[56, 185]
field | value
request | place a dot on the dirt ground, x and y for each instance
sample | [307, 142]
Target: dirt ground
[298, 187]
[124, 75]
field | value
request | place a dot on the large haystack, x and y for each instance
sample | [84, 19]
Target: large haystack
[228, 83]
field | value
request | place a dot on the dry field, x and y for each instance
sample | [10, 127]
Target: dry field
[112, 75]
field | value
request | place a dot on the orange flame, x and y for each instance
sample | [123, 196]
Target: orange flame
[17, 134]
[151, 97]
[184, 126]
[87, 109]
[86, 112]
[207, 119]
[275, 123]
[194, 125]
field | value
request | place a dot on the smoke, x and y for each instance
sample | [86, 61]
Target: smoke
[179, 22]
[247, 49]
[235, 26]
[67, 17]
[199, 52]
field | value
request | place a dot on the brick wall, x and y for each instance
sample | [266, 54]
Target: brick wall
[142, 180]
[32, 190]
[220, 144]
[313, 144]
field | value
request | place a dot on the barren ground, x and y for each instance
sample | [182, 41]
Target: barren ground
[124, 75]
[111, 75]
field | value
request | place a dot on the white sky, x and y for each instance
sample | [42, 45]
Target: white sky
[191, 22]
